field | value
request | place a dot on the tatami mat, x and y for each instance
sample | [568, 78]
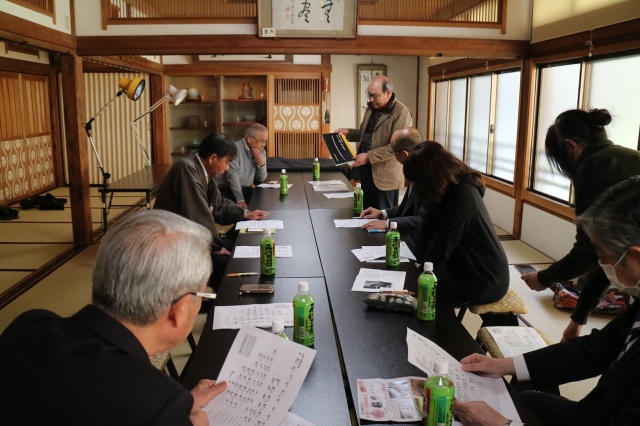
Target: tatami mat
[9, 278]
[500, 232]
[29, 256]
[60, 216]
[519, 252]
[14, 232]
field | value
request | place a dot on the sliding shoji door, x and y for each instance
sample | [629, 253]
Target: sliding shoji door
[26, 152]
[297, 130]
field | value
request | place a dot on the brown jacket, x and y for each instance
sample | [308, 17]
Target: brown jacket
[387, 171]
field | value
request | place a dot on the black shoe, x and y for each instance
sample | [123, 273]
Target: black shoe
[49, 202]
[31, 202]
[7, 213]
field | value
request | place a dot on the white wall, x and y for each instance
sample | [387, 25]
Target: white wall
[402, 70]
[553, 18]
[501, 209]
[62, 13]
[549, 234]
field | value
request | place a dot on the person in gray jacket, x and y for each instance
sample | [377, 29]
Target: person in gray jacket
[248, 168]
[190, 191]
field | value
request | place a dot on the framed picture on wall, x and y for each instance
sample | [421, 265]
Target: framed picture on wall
[365, 74]
[306, 18]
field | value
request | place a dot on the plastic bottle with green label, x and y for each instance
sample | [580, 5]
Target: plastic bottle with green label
[358, 196]
[284, 183]
[439, 391]
[267, 254]
[427, 283]
[316, 169]
[277, 328]
[393, 245]
[303, 316]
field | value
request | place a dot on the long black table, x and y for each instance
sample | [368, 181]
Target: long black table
[353, 341]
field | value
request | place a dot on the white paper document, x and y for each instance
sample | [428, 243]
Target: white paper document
[350, 223]
[252, 224]
[332, 188]
[423, 353]
[339, 195]
[272, 185]
[249, 252]
[378, 253]
[325, 182]
[258, 315]
[295, 420]
[374, 280]
[514, 341]
[264, 373]
[391, 400]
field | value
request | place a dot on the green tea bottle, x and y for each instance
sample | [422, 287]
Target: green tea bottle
[427, 283]
[393, 245]
[439, 391]
[303, 316]
[284, 183]
[358, 195]
[267, 254]
[316, 169]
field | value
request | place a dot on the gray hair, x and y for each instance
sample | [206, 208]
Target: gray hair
[147, 261]
[254, 129]
[614, 218]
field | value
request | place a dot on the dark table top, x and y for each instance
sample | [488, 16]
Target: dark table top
[297, 233]
[147, 179]
[322, 398]
[270, 199]
[373, 342]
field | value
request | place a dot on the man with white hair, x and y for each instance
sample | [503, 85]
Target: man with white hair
[93, 367]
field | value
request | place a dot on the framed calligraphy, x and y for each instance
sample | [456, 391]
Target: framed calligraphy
[307, 18]
[365, 74]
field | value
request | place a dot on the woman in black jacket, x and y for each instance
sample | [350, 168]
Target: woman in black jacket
[577, 146]
[456, 233]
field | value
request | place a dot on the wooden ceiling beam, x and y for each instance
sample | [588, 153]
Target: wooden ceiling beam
[27, 33]
[130, 63]
[250, 44]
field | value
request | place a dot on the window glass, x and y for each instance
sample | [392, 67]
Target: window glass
[479, 111]
[506, 125]
[558, 92]
[614, 84]
[458, 117]
[441, 112]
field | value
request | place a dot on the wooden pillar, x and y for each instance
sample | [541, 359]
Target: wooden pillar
[159, 140]
[73, 101]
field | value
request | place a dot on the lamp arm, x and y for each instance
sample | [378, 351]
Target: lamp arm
[87, 126]
[153, 107]
[136, 133]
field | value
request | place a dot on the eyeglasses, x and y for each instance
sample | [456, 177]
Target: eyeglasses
[260, 141]
[205, 295]
[374, 96]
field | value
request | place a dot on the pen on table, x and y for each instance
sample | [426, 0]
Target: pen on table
[243, 274]
[397, 292]
[376, 230]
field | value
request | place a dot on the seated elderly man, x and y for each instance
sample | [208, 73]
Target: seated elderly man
[248, 168]
[93, 368]
[613, 225]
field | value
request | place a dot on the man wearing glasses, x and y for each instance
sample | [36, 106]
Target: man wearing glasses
[248, 168]
[375, 165]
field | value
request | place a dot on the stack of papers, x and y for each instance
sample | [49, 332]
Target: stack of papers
[350, 223]
[260, 224]
[272, 185]
[330, 186]
[375, 254]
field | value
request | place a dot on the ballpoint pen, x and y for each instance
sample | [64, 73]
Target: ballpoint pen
[375, 230]
[243, 274]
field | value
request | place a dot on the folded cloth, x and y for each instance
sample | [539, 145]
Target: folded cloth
[49, 202]
[7, 213]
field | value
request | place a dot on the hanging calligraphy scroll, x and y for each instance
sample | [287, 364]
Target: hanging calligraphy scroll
[307, 18]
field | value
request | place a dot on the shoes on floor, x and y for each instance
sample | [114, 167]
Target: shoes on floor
[31, 202]
[44, 202]
[7, 213]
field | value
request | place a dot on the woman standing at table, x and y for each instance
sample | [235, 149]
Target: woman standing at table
[456, 233]
[577, 146]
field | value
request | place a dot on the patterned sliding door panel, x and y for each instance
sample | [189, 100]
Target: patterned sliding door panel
[296, 117]
[26, 154]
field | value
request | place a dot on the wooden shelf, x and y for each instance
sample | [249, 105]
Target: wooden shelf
[239, 123]
[244, 100]
[189, 128]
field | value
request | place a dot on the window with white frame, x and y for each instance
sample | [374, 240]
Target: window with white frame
[610, 84]
[476, 118]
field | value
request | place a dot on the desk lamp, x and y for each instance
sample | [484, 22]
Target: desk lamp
[172, 95]
[133, 89]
